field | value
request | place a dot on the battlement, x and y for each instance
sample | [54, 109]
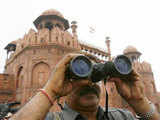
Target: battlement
[45, 36]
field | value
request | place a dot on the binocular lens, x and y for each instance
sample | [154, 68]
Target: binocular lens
[123, 64]
[81, 66]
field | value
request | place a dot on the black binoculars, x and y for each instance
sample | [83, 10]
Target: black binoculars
[81, 67]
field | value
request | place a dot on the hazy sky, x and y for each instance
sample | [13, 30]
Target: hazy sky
[127, 22]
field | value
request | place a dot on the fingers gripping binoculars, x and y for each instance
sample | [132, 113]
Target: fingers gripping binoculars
[81, 67]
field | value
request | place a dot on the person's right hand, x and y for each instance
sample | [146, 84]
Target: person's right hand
[57, 84]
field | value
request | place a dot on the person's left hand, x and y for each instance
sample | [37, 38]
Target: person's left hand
[131, 88]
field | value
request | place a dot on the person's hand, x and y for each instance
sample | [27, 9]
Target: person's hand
[57, 83]
[131, 88]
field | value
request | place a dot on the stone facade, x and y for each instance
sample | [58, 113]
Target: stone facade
[31, 59]
[7, 88]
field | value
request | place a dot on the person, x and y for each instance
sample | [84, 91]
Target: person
[82, 98]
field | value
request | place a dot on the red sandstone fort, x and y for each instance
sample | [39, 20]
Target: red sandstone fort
[31, 59]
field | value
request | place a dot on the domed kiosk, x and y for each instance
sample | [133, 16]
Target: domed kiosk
[50, 18]
[132, 53]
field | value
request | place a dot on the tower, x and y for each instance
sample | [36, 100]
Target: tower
[37, 53]
[108, 47]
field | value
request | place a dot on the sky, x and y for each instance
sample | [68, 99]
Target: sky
[127, 22]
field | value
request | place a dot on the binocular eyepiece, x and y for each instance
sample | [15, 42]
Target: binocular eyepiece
[82, 67]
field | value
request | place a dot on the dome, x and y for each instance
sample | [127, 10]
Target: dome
[52, 12]
[130, 49]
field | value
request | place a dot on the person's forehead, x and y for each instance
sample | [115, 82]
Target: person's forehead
[86, 82]
[90, 56]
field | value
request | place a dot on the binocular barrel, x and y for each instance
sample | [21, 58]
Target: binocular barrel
[82, 67]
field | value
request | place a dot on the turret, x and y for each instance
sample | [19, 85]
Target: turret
[132, 53]
[11, 47]
[50, 19]
[74, 27]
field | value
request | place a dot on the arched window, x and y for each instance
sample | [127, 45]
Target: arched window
[133, 58]
[49, 25]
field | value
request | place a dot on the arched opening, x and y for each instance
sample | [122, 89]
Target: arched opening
[49, 25]
[59, 26]
[133, 58]
[19, 84]
[19, 77]
[40, 75]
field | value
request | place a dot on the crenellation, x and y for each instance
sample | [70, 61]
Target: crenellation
[31, 37]
[43, 36]
[25, 41]
[31, 31]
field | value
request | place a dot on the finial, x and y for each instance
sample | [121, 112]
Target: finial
[74, 26]
[74, 22]
[107, 38]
